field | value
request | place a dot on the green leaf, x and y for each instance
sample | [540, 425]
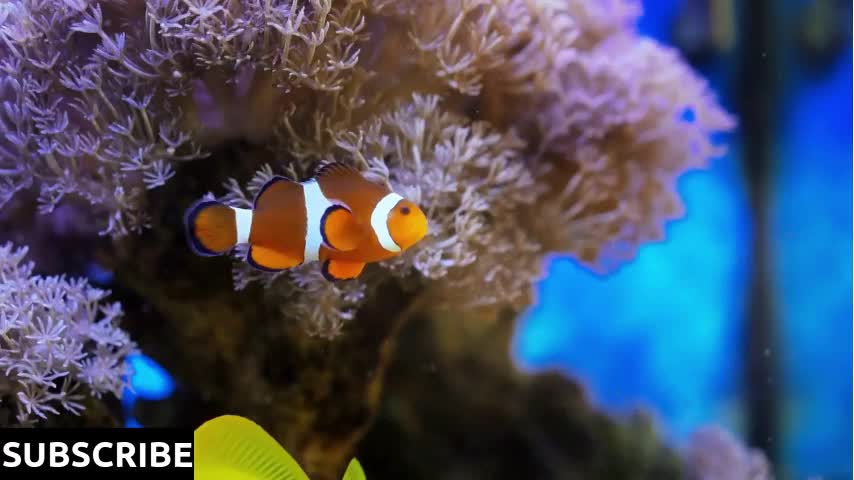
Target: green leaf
[354, 471]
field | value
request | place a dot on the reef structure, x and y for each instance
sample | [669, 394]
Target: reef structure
[521, 128]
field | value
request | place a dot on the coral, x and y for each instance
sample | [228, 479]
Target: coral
[472, 182]
[716, 453]
[517, 425]
[59, 341]
[465, 412]
[580, 157]
[84, 110]
[606, 128]
[522, 127]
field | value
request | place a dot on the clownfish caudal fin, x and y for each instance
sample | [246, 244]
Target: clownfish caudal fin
[233, 447]
[214, 228]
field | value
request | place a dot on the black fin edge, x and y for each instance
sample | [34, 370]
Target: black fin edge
[333, 208]
[270, 183]
[190, 220]
[252, 263]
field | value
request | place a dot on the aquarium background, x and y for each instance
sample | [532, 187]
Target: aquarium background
[668, 331]
[673, 332]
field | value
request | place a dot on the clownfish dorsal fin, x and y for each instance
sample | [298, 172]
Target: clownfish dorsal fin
[335, 168]
[340, 229]
[341, 173]
[276, 190]
[339, 178]
[335, 270]
[233, 447]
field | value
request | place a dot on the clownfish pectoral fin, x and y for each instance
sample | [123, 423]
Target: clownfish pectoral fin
[270, 260]
[339, 229]
[335, 270]
[236, 448]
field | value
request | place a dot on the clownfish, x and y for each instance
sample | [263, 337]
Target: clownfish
[337, 218]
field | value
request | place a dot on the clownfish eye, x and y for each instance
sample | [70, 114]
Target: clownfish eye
[404, 210]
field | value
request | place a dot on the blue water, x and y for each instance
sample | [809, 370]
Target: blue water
[813, 224]
[665, 331]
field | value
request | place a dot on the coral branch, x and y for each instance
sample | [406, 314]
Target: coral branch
[59, 342]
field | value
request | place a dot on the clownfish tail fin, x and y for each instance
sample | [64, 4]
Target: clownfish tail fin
[214, 228]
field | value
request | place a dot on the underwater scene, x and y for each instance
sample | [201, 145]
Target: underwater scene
[434, 239]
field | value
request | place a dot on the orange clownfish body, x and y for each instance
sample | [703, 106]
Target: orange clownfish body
[337, 218]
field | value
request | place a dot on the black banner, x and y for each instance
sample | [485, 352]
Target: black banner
[115, 452]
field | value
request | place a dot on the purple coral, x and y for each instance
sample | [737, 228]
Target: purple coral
[82, 112]
[715, 453]
[59, 341]
[521, 127]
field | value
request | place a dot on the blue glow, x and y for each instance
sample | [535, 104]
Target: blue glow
[813, 254]
[658, 18]
[149, 380]
[688, 115]
[663, 332]
[98, 275]
[132, 423]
